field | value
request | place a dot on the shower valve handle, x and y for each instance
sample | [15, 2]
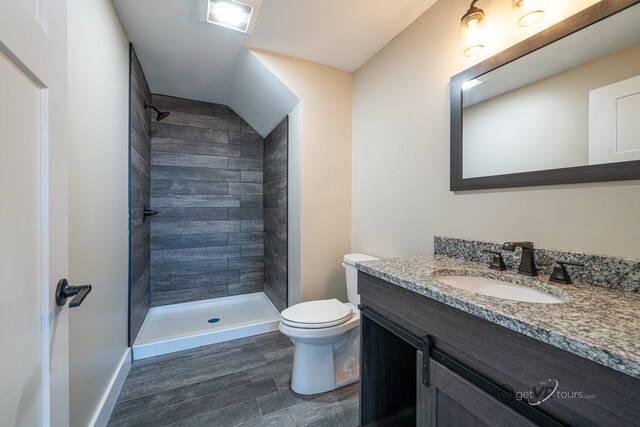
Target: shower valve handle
[147, 212]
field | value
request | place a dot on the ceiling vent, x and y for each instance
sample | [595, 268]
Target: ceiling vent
[235, 15]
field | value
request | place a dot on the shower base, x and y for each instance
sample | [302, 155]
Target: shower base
[177, 327]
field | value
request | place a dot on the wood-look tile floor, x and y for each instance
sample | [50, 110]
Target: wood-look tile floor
[244, 382]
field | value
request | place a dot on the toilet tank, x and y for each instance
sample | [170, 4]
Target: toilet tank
[352, 274]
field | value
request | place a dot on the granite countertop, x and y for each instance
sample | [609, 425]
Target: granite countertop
[599, 324]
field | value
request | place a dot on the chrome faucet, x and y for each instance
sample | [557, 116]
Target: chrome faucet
[528, 262]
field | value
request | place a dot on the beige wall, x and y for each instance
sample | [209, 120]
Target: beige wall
[401, 196]
[325, 172]
[98, 241]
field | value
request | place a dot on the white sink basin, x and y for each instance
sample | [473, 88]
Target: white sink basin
[499, 289]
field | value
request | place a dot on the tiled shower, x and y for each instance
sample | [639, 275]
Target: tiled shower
[220, 192]
[206, 183]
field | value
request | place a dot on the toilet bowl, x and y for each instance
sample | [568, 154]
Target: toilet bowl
[326, 334]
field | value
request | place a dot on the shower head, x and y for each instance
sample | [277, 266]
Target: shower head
[161, 114]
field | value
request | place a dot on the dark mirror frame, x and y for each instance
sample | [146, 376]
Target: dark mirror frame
[593, 173]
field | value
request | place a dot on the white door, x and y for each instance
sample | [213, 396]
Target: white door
[34, 371]
[613, 122]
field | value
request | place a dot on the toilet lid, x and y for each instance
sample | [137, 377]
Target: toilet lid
[317, 314]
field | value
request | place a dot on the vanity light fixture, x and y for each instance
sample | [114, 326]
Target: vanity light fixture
[528, 12]
[472, 30]
[232, 14]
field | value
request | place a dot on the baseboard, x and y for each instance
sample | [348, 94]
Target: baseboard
[108, 401]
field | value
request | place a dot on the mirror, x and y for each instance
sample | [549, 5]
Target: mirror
[561, 107]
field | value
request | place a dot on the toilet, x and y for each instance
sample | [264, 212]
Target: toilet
[326, 334]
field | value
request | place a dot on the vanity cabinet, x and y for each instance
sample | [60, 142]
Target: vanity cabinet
[469, 355]
[393, 393]
[451, 400]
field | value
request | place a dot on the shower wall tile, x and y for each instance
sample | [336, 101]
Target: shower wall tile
[139, 163]
[252, 225]
[163, 130]
[246, 262]
[196, 200]
[273, 200]
[252, 274]
[251, 152]
[139, 293]
[189, 160]
[273, 219]
[250, 201]
[195, 174]
[206, 183]
[139, 190]
[192, 214]
[192, 293]
[139, 270]
[185, 268]
[252, 250]
[193, 227]
[188, 187]
[245, 238]
[243, 138]
[245, 188]
[139, 136]
[194, 254]
[275, 189]
[275, 186]
[201, 121]
[246, 213]
[172, 145]
[246, 287]
[251, 176]
[276, 170]
[189, 241]
[176, 283]
[278, 249]
[245, 164]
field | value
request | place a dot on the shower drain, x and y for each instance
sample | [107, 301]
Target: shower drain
[214, 320]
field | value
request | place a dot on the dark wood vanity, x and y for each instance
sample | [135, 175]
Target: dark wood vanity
[475, 368]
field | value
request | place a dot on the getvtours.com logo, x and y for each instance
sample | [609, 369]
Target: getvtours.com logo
[540, 393]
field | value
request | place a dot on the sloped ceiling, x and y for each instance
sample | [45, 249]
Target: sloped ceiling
[183, 56]
[258, 96]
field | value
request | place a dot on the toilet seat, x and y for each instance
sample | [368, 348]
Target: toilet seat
[317, 314]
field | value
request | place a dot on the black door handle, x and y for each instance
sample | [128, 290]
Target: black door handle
[64, 290]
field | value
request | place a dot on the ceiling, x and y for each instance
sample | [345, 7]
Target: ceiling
[183, 56]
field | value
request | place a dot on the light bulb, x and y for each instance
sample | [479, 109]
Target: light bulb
[528, 12]
[228, 14]
[472, 31]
